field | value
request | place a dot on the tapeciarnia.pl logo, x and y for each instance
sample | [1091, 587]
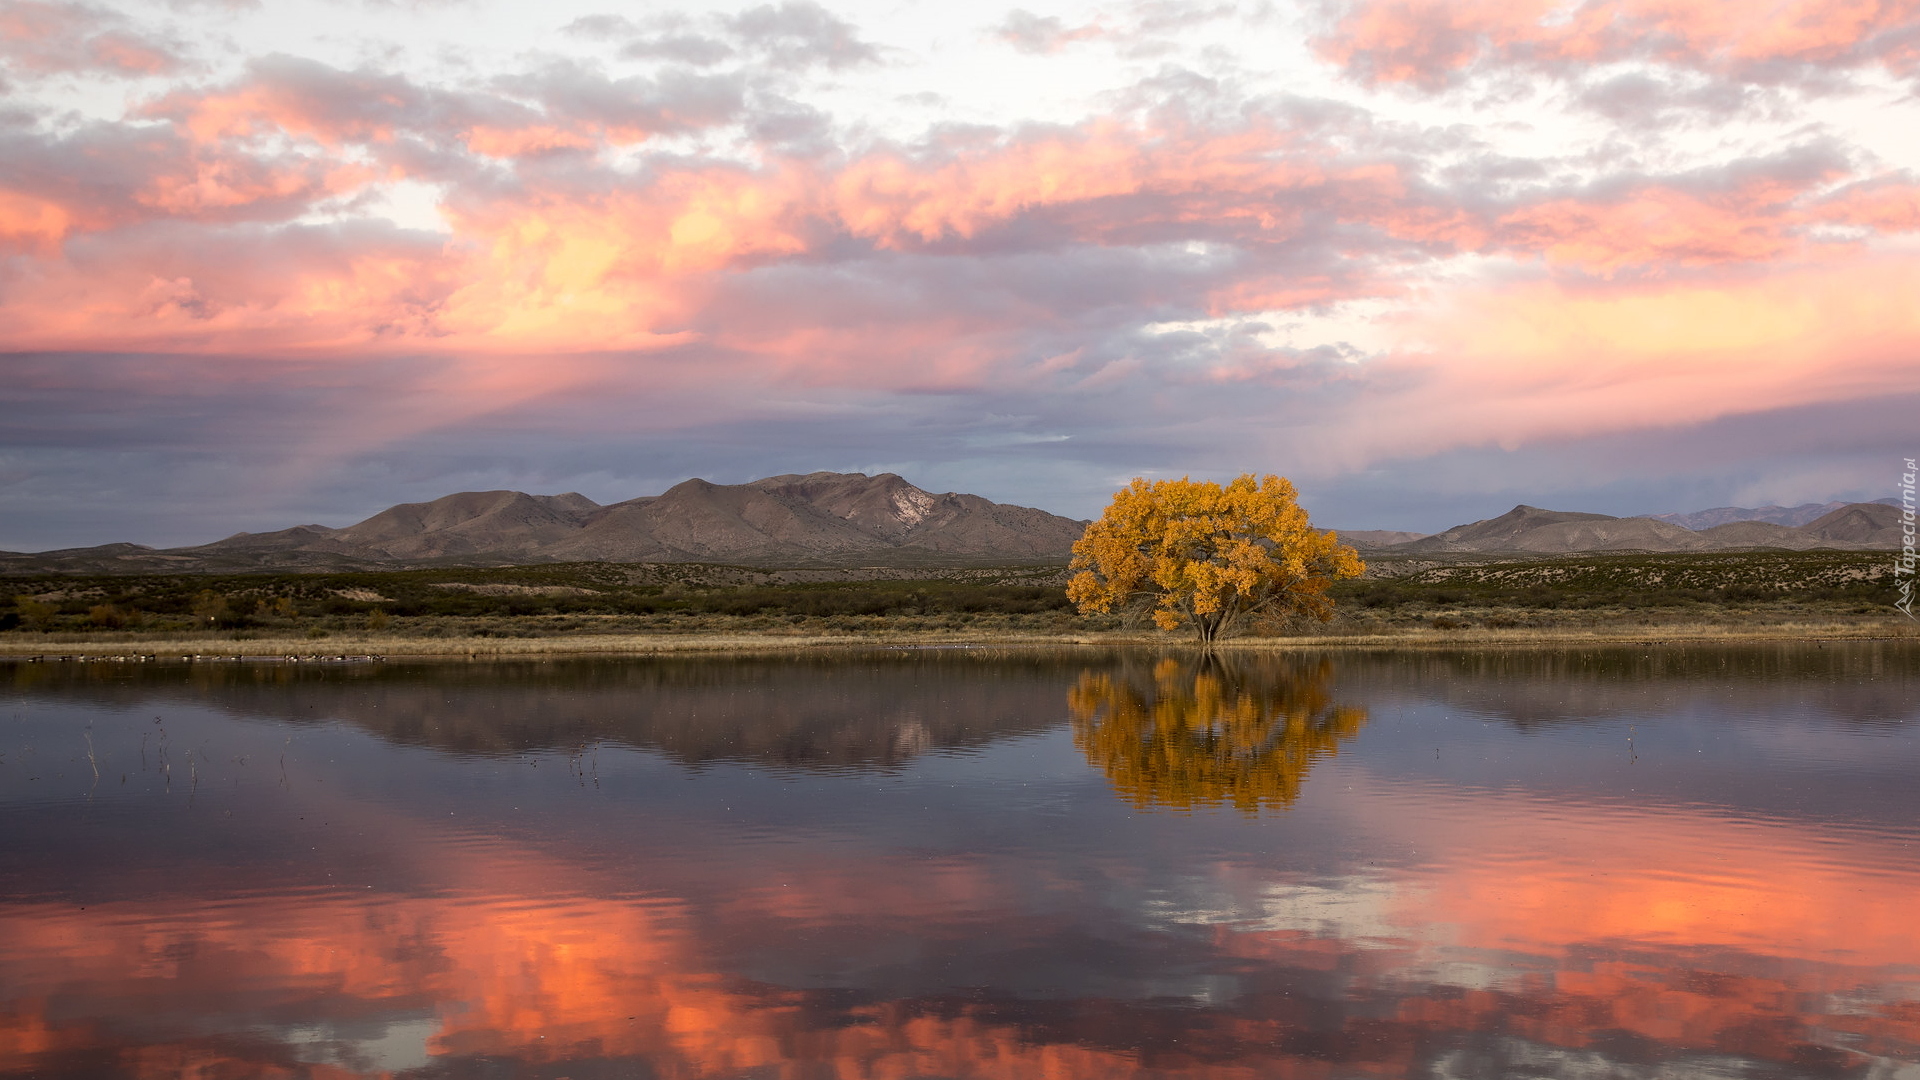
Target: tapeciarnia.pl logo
[1903, 566]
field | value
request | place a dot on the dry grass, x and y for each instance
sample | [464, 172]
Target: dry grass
[347, 646]
[215, 647]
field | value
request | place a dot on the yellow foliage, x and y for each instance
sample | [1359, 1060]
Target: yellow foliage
[1209, 555]
[1203, 734]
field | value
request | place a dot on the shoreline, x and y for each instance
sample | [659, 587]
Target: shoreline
[367, 646]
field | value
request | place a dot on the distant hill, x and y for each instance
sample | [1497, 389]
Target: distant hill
[1531, 530]
[1871, 524]
[1791, 516]
[1366, 539]
[817, 519]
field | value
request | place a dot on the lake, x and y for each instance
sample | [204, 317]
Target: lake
[1671, 862]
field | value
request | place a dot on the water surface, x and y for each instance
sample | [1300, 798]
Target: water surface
[1679, 862]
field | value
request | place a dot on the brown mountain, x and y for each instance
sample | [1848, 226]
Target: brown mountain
[1368, 539]
[490, 523]
[1805, 513]
[817, 519]
[1530, 529]
[1865, 524]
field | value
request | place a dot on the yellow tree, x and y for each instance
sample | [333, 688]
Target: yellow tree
[1209, 555]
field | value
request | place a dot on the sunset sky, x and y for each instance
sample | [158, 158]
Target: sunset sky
[297, 260]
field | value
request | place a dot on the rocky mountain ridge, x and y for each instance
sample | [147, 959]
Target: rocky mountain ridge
[1532, 530]
[795, 520]
[826, 519]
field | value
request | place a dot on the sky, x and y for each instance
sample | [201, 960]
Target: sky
[271, 263]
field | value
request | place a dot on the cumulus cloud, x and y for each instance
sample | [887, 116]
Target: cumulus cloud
[1145, 28]
[633, 108]
[50, 38]
[1041, 34]
[1147, 221]
[668, 37]
[1432, 43]
[698, 50]
[801, 34]
[795, 36]
[1645, 98]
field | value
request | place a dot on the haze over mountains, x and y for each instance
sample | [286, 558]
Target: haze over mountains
[826, 519]
[1793, 516]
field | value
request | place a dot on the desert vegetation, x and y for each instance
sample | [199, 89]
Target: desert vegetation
[534, 607]
[1572, 590]
[532, 601]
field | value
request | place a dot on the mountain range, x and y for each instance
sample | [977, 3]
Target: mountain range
[817, 519]
[1531, 530]
[1804, 514]
[827, 519]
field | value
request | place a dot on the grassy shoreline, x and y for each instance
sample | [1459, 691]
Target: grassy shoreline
[214, 646]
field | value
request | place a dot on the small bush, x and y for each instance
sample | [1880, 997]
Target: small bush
[35, 614]
[211, 608]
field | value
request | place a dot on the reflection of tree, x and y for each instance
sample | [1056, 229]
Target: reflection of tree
[1208, 732]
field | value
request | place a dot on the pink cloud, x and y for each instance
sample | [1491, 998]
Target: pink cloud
[1888, 204]
[1657, 225]
[953, 266]
[28, 223]
[569, 262]
[60, 38]
[1428, 43]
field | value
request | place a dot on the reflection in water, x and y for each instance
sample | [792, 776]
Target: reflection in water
[863, 710]
[1462, 892]
[1208, 731]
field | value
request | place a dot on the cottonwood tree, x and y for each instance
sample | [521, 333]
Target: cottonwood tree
[1210, 555]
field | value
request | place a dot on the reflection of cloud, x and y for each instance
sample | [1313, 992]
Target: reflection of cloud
[1341, 976]
[1361, 910]
[1209, 733]
[1398, 926]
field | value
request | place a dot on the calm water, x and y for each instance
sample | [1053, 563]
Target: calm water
[923, 864]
